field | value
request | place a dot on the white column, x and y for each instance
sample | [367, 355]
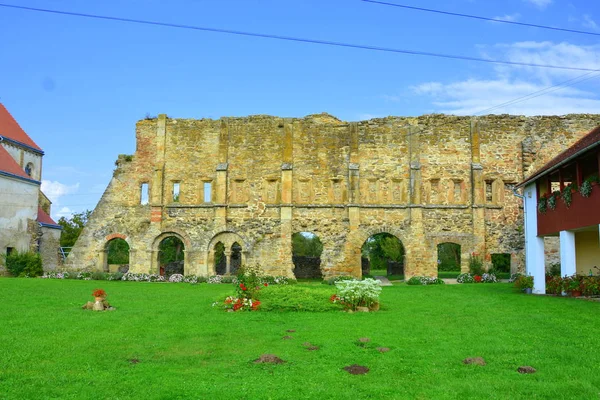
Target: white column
[534, 245]
[567, 253]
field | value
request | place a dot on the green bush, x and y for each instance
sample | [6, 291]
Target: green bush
[24, 264]
[475, 265]
[555, 269]
[415, 280]
[297, 298]
[99, 276]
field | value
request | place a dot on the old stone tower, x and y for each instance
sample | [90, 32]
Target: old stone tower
[252, 182]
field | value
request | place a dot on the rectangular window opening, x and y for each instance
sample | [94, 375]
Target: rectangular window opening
[207, 192]
[176, 188]
[144, 194]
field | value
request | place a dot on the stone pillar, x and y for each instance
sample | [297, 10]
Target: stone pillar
[534, 245]
[227, 254]
[286, 210]
[568, 264]
[222, 178]
[477, 193]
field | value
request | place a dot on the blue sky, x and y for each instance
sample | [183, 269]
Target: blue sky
[77, 86]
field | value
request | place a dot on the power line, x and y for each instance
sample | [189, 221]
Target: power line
[554, 28]
[542, 92]
[296, 39]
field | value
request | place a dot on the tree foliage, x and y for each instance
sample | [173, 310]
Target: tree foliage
[72, 227]
[117, 252]
[170, 250]
[448, 257]
[306, 244]
[382, 248]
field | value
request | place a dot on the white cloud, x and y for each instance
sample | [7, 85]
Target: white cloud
[589, 23]
[541, 4]
[63, 212]
[509, 17]
[508, 83]
[55, 190]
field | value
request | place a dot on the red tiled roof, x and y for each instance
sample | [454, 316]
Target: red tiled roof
[9, 165]
[581, 145]
[11, 129]
[44, 218]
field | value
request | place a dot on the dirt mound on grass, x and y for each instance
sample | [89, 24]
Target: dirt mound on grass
[268, 359]
[474, 360]
[356, 369]
[527, 370]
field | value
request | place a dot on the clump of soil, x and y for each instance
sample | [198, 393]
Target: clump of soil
[291, 330]
[312, 348]
[134, 361]
[383, 349]
[356, 369]
[268, 359]
[287, 337]
[474, 360]
[527, 370]
[364, 340]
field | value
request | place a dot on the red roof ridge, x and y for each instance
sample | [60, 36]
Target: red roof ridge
[11, 129]
[44, 218]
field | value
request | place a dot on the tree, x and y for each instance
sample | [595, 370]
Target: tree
[72, 227]
[306, 244]
[382, 248]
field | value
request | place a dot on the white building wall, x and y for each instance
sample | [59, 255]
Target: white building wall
[534, 245]
[18, 205]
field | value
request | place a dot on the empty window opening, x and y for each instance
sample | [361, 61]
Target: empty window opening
[117, 256]
[235, 261]
[489, 192]
[9, 250]
[207, 192]
[144, 194]
[501, 262]
[306, 255]
[448, 260]
[29, 169]
[176, 188]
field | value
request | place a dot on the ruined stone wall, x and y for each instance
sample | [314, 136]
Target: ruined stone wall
[257, 180]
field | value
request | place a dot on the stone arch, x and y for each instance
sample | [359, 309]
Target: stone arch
[465, 241]
[154, 259]
[109, 241]
[383, 252]
[357, 238]
[228, 240]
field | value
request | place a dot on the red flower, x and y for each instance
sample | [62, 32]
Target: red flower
[237, 306]
[266, 284]
[255, 305]
[99, 293]
[477, 278]
[242, 286]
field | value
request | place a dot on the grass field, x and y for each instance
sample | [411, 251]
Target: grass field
[188, 349]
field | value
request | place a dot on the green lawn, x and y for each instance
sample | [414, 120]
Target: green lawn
[50, 348]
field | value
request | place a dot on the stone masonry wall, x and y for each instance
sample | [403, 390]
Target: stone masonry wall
[257, 180]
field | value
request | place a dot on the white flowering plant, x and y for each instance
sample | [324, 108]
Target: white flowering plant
[176, 278]
[355, 293]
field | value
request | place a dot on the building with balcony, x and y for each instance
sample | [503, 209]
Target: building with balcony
[563, 199]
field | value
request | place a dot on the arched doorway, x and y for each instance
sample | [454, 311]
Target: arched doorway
[226, 253]
[448, 260]
[306, 255]
[382, 254]
[171, 256]
[117, 256]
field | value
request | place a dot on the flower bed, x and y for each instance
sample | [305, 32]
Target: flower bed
[483, 278]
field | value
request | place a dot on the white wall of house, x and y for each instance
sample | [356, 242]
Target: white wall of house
[534, 245]
[18, 206]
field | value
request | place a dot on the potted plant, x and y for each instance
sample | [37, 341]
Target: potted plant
[524, 283]
[99, 297]
[573, 285]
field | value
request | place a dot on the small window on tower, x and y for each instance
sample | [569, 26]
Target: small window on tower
[207, 192]
[144, 194]
[176, 188]
[29, 169]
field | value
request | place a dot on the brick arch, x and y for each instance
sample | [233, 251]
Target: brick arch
[172, 232]
[112, 236]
